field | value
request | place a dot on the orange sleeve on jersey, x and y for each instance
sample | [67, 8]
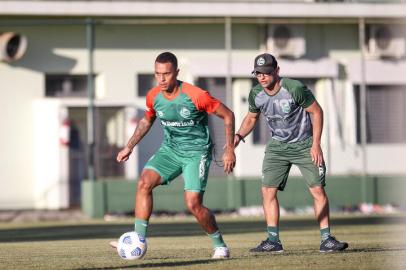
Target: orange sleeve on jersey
[201, 98]
[149, 110]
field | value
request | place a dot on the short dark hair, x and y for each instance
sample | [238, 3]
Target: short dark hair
[167, 57]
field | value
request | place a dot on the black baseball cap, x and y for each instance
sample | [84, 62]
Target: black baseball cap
[265, 63]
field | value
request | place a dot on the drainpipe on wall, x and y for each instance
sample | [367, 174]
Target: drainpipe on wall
[90, 95]
[363, 120]
[229, 99]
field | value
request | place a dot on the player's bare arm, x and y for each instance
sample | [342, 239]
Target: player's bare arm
[316, 113]
[229, 124]
[247, 126]
[142, 128]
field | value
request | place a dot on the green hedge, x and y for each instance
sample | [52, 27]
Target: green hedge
[112, 196]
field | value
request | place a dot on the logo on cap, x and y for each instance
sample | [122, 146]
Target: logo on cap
[261, 61]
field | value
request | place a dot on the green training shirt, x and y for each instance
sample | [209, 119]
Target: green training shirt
[285, 111]
[184, 118]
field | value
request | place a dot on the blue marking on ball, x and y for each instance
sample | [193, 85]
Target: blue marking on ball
[142, 239]
[136, 252]
[122, 253]
[127, 240]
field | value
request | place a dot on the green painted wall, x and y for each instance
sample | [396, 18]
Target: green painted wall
[112, 196]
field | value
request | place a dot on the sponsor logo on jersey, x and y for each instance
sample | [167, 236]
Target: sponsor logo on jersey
[184, 112]
[285, 105]
[189, 123]
[261, 61]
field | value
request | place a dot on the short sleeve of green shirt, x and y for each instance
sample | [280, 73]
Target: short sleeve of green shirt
[251, 99]
[300, 93]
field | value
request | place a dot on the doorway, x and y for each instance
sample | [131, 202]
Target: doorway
[109, 138]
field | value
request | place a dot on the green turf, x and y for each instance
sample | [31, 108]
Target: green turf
[375, 243]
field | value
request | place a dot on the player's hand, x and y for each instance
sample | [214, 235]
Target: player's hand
[317, 155]
[229, 160]
[237, 140]
[124, 154]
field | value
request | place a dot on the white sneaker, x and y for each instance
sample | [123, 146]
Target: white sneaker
[221, 253]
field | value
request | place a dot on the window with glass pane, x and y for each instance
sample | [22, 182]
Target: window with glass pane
[65, 85]
[145, 83]
[385, 113]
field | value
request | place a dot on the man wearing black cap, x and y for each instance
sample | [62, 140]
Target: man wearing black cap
[295, 138]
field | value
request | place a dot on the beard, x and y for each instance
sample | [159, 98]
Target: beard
[271, 85]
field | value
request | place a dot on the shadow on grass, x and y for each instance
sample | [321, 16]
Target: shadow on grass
[379, 249]
[111, 231]
[310, 251]
[153, 265]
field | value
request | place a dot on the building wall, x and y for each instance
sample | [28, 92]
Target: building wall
[19, 87]
[123, 51]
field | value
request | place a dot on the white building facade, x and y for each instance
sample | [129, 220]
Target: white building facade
[44, 94]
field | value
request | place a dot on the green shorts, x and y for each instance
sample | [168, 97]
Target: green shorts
[278, 160]
[194, 166]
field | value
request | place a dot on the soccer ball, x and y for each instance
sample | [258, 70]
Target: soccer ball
[131, 246]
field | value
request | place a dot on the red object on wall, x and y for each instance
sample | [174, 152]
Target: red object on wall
[64, 132]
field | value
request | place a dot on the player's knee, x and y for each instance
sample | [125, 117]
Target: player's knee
[144, 184]
[194, 206]
[148, 181]
[318, 193]
[269, 194]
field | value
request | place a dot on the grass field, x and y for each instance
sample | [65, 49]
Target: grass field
[376, 242]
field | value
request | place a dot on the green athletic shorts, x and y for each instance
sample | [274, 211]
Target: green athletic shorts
[194, 166]
[278, 160]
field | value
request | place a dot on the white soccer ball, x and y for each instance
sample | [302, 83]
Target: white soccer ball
[131, 246]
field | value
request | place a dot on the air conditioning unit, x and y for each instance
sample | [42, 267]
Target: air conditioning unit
[386, 41]
[12, 46]
[286, 40]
